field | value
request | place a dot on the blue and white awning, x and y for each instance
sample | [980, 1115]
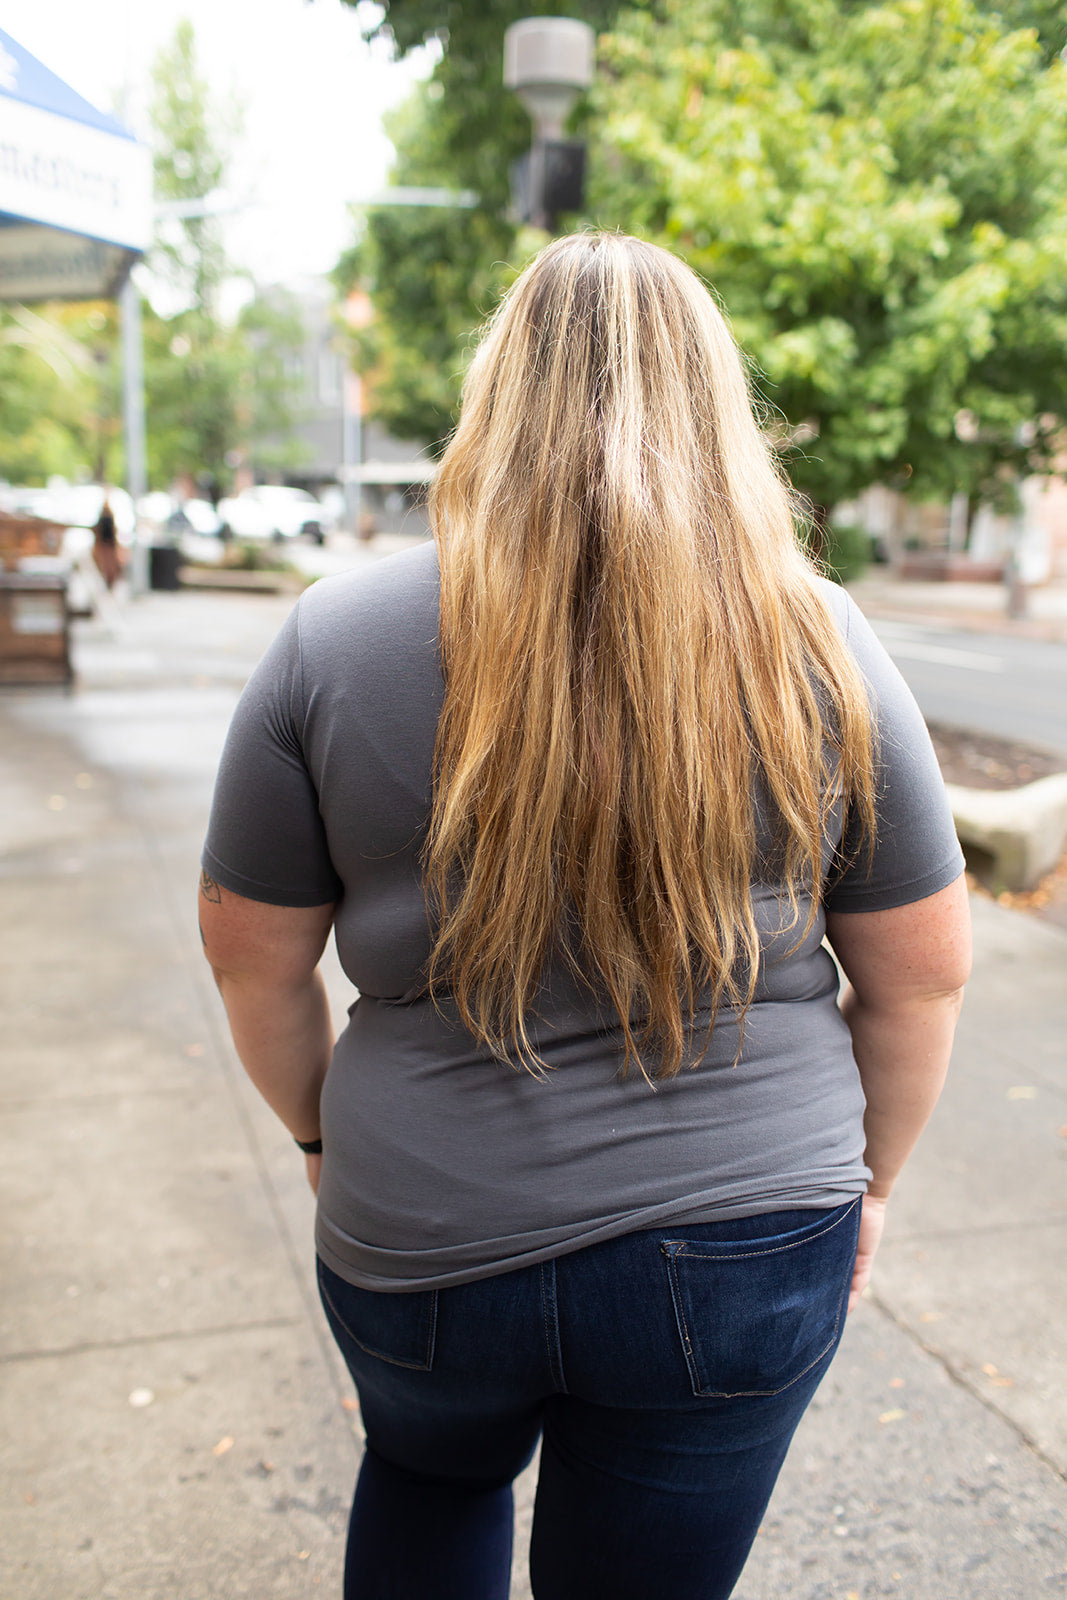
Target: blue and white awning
[75, 188]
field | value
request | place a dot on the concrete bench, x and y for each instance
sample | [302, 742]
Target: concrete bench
[1023, 830]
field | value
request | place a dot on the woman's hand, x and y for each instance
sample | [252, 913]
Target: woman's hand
[872, 1221]
[314, 1169]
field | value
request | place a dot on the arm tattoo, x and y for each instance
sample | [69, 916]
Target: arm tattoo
[210, 889]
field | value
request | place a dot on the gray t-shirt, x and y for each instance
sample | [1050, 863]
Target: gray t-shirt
[442, 1165]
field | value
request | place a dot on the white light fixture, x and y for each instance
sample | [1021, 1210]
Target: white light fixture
[548, 61]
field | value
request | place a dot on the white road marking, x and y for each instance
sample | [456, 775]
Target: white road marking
[901, 640]
[945, 655]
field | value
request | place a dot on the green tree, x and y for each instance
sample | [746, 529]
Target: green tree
[193, 361]
[188, 164]
[877, 192]
[879, 195]
[434, 273]
[1047, 18]
[59, 392]
[217, 390]
[271, 404]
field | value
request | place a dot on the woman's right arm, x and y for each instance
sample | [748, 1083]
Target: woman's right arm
[906, 969]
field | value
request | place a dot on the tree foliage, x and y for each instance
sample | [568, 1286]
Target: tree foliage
[435, 272]
[879, 195]
[272, 328]
[218, 389]
[877, 192]
[59, 392]
[411, 22]
[213, 387]
[193, 361]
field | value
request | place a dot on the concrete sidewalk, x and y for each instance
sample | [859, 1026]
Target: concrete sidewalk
[978, 607]
[176, 1423]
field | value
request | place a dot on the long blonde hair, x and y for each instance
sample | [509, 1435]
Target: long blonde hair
[631, 638]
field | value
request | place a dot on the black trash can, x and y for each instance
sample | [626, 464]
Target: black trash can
[163, 563]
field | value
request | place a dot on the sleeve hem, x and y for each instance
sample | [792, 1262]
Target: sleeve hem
[266, 893]
[898, 894]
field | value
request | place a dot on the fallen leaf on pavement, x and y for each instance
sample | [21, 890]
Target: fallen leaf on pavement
[348, 1404]
[222, 1446]
[989, 1369]
[891, 1416]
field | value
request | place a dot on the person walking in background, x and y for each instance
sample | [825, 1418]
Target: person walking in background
[106, 547]
[601, 1157]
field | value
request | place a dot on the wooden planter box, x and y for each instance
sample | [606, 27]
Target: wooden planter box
[34, 630]
[22, 535]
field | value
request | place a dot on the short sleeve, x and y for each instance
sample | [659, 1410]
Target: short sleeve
[916, 851]
[266, 839]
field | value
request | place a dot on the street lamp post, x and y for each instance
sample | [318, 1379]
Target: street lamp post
[548, 61]
[133, 408]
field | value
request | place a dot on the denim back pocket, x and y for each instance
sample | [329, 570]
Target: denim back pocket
[755, 1315]
[398, 1328]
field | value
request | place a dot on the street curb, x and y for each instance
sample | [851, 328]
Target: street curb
[1024, 830]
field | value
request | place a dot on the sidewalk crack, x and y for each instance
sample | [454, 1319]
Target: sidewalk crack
[91, 1346]
[962, 1382]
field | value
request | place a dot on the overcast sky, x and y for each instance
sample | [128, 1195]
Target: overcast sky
[309, 91]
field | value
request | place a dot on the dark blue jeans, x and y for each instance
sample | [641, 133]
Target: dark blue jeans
[664, 1372]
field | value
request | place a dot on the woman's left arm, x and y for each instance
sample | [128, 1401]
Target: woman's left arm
[265, 961]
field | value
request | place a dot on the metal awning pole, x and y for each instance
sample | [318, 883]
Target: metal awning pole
[133, 414]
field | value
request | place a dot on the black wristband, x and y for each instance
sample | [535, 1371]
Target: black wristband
[310, 1147]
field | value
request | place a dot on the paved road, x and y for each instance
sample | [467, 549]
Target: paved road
[991, 683]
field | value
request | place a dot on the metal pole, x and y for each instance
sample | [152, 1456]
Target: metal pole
[1016, 593]
[133, 415]
[352, 447]
[539, 214]
[133, 408]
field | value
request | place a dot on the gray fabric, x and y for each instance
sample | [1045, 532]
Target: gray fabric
[441, 1165]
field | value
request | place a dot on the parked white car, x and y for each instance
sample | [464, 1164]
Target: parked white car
[272, 511]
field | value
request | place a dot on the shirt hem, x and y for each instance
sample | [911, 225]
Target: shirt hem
[404, 1272]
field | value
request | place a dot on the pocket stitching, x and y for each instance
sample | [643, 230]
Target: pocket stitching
[380, 1355]
[681, 1247]
[736, 1394]
[672, 1249]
